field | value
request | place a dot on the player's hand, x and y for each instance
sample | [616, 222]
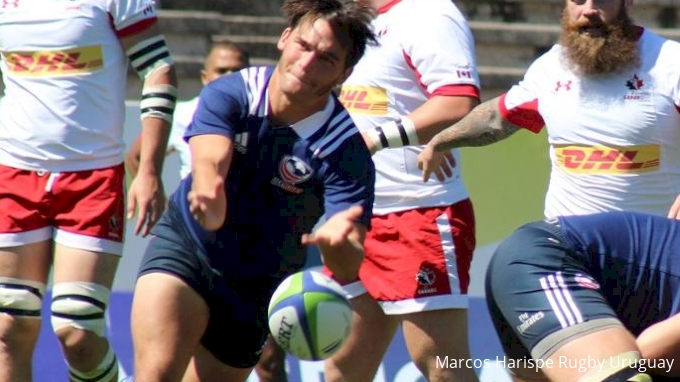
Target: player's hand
[340, 248]
[674, 212]
[208, 204]
[147, 196]
[441, 164]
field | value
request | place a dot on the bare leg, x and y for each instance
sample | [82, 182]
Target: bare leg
[168, 321]
[84, 350]
[437, 334]
[18, 332]
[371, 335]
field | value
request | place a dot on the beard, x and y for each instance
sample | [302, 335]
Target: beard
[613, 51]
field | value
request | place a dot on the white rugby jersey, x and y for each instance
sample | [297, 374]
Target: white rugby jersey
[426, 49]
[65, 74]
[614, 140]
[184, 112]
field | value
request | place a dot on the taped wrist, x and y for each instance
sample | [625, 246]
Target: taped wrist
[394, 134]
[158, 101]
[354, 289]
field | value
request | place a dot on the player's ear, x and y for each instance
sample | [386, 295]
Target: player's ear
[284, 37]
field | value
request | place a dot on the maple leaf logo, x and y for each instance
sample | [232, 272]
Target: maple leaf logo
[635, 83]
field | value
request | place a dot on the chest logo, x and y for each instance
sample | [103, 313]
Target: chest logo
[293, 170]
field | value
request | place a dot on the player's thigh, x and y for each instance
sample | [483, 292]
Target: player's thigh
[437, 333]
[27, 262]
[594, 354]
[541, 296]
[81, 265]
[170, 310]
[517, 359]
[370, 337]
[168, 320]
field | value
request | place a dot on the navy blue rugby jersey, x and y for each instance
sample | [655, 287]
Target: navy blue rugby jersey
[282, 178]
[635, 259]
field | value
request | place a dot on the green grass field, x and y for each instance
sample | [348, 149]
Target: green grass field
[507, 183]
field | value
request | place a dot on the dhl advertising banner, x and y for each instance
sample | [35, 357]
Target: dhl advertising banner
[507, 182]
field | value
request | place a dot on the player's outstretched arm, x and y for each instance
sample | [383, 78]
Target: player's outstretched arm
[483, 126]
[150, 57]
[211, 156]
[341, 243]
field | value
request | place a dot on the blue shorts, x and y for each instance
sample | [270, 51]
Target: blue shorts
[237, 300]
[541, 295]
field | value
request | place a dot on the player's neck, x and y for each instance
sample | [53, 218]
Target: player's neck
[286, 111]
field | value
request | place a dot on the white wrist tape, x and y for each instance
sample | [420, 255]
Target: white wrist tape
[394, 134]
[354, 289]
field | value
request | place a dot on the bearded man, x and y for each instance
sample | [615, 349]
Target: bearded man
[608, 94]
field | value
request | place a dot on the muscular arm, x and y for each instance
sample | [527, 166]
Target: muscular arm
[438, 113]
[155, 131]
[146, 191]
[484, 125]
[211, 156]
[132, 157]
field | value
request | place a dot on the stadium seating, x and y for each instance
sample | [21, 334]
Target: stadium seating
[509, 33]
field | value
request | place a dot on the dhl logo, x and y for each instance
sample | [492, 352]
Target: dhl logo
[364, 100]
[608, 159]
[56, 63]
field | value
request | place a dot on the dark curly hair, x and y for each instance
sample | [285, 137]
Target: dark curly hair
[350, 20]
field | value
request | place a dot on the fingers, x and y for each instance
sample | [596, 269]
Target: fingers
[426, 174]
[141, 219]
[446, 169]
[131, 205]
[450, 159]
[439, 174]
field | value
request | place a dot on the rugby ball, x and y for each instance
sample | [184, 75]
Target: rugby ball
[309, 315]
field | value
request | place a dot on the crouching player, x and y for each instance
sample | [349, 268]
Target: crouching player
[591, 298]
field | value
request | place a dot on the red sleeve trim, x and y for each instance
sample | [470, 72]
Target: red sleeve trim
[462, 90]
[386, 7]
[525, 115]
[137, 27]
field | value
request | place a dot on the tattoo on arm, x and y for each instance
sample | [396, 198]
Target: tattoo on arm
[482, 126]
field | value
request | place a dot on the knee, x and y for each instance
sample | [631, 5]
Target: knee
[20, 305]
[78, 307]
[78, 319]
